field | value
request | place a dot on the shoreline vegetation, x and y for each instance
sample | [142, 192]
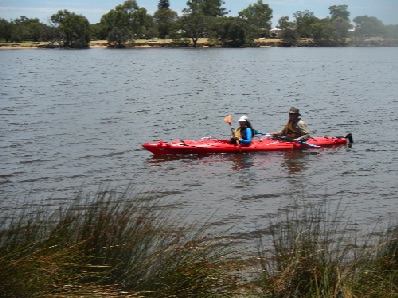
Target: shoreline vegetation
[201, 43]
[128, 25]
[123, 244]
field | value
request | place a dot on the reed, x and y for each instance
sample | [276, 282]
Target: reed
[115, 239]
[313, 254]
[378, 275]
[309, 255]
[121, 244]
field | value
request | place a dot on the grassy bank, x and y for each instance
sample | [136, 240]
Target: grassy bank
[119, 244]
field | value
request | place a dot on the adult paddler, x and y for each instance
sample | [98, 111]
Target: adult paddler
[295, 128]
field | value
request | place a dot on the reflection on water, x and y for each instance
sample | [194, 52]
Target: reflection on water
[241, 162]
[294, 161]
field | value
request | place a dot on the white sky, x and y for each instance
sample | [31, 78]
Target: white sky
[384, 10]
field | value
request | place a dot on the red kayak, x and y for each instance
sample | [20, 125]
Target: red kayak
[210, 146]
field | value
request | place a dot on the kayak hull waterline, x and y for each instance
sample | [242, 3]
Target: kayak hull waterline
[211, 146]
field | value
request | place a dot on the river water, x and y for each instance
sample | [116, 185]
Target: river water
[74, 120]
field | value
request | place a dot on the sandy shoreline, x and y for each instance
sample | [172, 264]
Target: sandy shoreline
[39, 47]
[16, 48]
[91, 47]
[141, 43]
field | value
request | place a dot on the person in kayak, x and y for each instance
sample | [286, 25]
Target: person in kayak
[244, 133]
[295, 128]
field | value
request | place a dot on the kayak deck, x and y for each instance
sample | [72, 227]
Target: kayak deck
[209, 146]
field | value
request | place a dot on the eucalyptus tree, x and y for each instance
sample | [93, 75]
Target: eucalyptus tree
[339, 18]
[37, 30]
[288, 31]
[391, 31]
[22, 29]
[339, 12]
[213, 8]
[5, 30]
[366, 27]
[73, 30]
[193, 21]
[304, 21]
[324, 33]
[198, 17]
[164, 4]
[258, 17]
[125, 21]
[285, 23]
[164, 18]
[230, 31]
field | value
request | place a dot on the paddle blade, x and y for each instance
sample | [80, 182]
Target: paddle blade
[228, 119]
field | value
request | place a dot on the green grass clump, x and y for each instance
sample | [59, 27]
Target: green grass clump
[378, 276]
[307, 257]
[313, 255]
[125, 245]
[120, 240]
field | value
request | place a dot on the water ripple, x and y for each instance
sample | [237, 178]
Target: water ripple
[71, 126]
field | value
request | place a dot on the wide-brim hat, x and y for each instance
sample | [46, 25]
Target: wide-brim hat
[294, 110]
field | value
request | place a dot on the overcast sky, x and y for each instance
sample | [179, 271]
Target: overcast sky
[384, 10]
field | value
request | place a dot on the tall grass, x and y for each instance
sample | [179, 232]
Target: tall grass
[314, 255]
[379, 269]
[305, 260]
[121, 244]
[112, 239]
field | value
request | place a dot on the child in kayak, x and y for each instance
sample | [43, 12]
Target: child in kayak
[244, 133]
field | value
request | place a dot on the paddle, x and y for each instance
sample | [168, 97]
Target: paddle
[256, 132]
[287, 139]
[307, 144]
[228, 120]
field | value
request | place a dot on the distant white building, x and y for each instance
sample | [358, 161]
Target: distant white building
[274, 32]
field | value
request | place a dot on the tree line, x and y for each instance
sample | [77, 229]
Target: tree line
[200, 19]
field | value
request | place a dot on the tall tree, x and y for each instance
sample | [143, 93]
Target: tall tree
[213, 8]
[198, 17]
[74, 30]
[339, 11]
[288, 31]
[28, 29]
[324, 33]
[366, 27]
[258, 16]
[230, 31]
[285, 23]
[193, 21]
[339, 18]
[210, 8]
[5, 30]
[304, 21]
[126, 21]
[163, 4]
[164, 18]
[391, 31]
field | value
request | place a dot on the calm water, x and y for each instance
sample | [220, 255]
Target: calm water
[75, 120]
